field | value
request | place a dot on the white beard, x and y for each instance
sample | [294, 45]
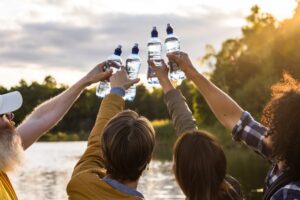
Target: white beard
[11, 149]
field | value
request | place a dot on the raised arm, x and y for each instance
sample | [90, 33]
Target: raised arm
[111, 105]
[178, 109]
[49, 113]
[227, 111]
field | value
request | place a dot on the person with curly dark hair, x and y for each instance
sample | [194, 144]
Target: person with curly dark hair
[277, 138]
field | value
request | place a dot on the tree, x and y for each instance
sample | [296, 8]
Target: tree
[247, 66]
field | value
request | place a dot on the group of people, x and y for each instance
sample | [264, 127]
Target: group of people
[121, 143]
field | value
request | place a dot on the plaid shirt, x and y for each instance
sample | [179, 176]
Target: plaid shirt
[252, 133]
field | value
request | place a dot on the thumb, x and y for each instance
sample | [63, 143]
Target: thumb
[133, 81]
[163, 63]
[174, 56]
[106, 74]
[151, 63]
[123, 69]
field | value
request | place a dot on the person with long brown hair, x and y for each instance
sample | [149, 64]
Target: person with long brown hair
[199, 160]
[276, 138]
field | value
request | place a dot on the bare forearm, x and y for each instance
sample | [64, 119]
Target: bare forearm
[224, 107]
[48, 114]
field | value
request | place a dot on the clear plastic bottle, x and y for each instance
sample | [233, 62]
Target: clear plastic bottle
[133, 64]
[154, 53]
[172, 44]
[103, 88]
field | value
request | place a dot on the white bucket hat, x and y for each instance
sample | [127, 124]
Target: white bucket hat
[10, 102]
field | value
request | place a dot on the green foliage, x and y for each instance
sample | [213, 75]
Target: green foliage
[247, 66]
[61, 136]
[149, 104]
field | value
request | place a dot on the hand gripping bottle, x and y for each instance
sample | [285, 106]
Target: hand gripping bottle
[103, 87]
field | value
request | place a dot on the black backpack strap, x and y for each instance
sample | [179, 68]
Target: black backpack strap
[281, 181]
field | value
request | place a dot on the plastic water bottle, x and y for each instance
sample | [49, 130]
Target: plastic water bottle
[103, 87]
[133, 64]
[154, 53]
[172, 44]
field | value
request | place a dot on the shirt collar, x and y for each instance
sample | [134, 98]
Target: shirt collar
[121, 187]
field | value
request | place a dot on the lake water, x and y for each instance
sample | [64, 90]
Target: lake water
[48, 168]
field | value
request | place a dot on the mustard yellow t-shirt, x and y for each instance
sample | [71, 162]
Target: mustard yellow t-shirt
[7, 192]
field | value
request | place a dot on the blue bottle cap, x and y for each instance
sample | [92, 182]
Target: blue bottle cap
[154, 32]
[169, 29]
[118, 50]
[135, 49]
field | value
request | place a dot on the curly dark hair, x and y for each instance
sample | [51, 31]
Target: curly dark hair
[282, 116]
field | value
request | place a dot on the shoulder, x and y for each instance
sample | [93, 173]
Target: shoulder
[86, 184]
[88, 175]
[290, 191]
[234, 185]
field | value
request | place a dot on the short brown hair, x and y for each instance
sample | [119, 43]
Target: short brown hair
[127, 144]
[200, 167]
[281, 115]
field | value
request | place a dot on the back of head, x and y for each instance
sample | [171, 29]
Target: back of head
[199, 165]
[281, 115]
[127, 144]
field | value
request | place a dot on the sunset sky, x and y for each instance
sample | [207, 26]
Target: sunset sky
[66, 38]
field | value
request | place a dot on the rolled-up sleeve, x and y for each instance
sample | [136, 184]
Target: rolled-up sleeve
[252, 133]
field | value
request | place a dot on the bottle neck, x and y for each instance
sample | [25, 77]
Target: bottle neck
[115, 57]
[154, 40]
[133, 56]
[172, 35]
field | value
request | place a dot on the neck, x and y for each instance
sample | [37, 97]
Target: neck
[281, 165]
[130, 184]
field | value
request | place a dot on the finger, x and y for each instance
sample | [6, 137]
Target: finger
[163, 63]
[123, 68]
[133, 81]
[151, 63]
[173, 56]
[153, 66]
[177, 56]
[114, 64]
[101, 66]
[106, 74]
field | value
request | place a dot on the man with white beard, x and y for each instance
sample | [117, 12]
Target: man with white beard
[13, 141]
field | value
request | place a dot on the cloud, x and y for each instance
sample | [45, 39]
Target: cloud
[79, 46]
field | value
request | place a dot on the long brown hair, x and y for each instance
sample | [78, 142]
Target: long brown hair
[200, 167]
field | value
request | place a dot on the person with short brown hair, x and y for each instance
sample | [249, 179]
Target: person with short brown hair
[120, 147]
[127, 144]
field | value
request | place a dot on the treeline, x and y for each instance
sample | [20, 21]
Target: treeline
[81, 117]
[245, 68]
